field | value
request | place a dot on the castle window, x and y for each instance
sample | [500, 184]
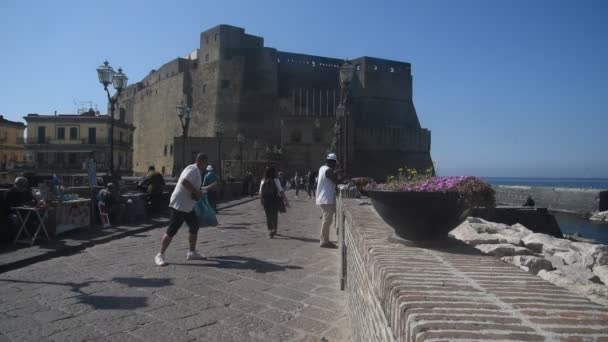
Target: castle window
[165, 151]
[392, 69]
[225, 84]
[296, 136]
[278, 60]
[215, 36]
[317, 135]
[358, 67]
[375, 67]
[171, 149]
[204, 88]
[314, 64]
[206, 57]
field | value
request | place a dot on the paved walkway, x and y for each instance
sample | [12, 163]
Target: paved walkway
[16, 256]
[251, 288]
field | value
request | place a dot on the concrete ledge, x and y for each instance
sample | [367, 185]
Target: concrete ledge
[448, 291]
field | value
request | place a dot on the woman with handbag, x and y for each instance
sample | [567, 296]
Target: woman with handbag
[273, 199]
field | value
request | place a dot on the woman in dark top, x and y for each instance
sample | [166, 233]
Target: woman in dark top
[272, 194]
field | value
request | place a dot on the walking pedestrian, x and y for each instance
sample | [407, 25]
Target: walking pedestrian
[326, 197]
[283, 180]
[210, 181]
[187, 192]
[272, 195]
[92, 170]
[311, 183]
[296, 183]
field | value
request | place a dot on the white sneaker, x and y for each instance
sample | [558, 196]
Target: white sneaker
[159, 259]
[193, 255]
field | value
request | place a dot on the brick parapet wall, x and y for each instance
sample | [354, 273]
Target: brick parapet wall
[448, 291]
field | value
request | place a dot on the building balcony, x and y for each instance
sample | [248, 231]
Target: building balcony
[85, 143]
[37, 141]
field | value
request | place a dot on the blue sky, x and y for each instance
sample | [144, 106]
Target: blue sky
[508, 88]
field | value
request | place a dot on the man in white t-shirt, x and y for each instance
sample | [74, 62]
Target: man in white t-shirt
[186, 193]
[326, 197]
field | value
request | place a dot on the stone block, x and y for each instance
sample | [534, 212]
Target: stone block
[529, 263]
[503, 249]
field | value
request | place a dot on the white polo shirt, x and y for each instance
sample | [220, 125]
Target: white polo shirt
[326, 188]
[181, 198]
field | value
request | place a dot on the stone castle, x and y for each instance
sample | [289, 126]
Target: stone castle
[274, 99]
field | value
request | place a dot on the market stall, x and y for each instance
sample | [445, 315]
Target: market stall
[68, 215]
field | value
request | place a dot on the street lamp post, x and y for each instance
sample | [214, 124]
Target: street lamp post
[347, 72]
[240, 139]
[256, 146]
[119, 80]
[185, 114]
[219, 131]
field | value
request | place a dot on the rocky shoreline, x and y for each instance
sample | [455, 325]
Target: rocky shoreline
[580, 267]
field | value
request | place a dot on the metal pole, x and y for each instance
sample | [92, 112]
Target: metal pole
[241, 157]
[111, 133]
[183, 148]
[219, 154]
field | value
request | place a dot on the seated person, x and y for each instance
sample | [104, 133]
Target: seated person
[19, 195]
[153, 183]
[108, 203]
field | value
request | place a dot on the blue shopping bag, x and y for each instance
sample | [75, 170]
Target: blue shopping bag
[204, 213]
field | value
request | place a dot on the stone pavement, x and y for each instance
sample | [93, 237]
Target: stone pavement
[251, 288]
[15, 256]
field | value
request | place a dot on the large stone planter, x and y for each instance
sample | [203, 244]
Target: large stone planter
[419, 215]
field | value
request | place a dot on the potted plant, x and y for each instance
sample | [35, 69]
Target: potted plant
[361, 182]
[420, 206]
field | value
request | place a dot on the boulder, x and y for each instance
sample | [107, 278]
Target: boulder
[591, 254]
[601, 272]
[595, 292]
[579, 273]
[503, 249]
[529, 263]
[601, 216]
[543, 243]
[469, 234]
[475, 231]
[521, 230]
[585, 254]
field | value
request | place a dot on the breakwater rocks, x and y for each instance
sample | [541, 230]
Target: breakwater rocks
[600, 217]
[578, 266]
[576, 201]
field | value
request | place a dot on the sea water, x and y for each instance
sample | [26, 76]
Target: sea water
[569, 224]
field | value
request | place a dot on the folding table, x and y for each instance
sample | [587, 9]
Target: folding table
[27, 211]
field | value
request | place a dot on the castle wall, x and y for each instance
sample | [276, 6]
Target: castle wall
[150, 106]
[258, 91]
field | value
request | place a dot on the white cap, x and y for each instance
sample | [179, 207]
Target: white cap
[332, 156]
[209, 168]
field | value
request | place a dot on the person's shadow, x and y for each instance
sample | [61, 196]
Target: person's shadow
[243, 263]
